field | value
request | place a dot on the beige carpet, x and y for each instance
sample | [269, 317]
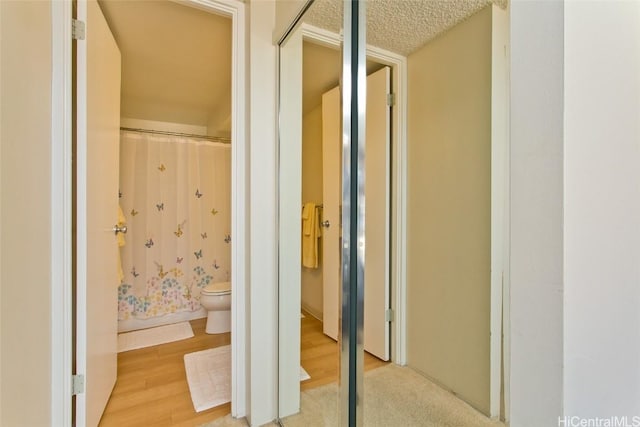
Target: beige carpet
[394, 396]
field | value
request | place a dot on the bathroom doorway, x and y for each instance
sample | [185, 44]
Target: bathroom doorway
[175, 159]
[161, 98]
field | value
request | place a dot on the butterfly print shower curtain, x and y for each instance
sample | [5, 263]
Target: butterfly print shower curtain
[176, 196]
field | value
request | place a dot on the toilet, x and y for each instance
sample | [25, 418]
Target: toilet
[216, 299]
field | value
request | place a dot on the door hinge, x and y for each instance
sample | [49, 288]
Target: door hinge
[389, 315]
[77, 384]
[391, 99]
[77, 29]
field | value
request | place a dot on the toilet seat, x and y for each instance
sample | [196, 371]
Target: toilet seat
[220, 288]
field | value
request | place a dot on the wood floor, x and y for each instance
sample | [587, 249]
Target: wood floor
[152, 389]
[319, 355]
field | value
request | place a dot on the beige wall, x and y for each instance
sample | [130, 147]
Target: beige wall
[286, 11]
[448, 228]
[25, 32]
[312, 192]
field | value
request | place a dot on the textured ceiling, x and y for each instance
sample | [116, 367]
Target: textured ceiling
[176, 62]
[400, 26]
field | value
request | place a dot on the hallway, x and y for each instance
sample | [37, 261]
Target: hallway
[152, 388]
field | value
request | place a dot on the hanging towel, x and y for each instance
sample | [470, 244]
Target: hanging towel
[310, 235]
[122, 220]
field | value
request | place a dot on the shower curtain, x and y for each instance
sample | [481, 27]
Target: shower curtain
[175, 194]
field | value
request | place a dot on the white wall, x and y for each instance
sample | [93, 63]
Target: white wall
[602, 209]
[536, 212]
[25, 123]
[263, 331]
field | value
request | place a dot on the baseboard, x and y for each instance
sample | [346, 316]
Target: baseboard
[311, 311]
[167, 319]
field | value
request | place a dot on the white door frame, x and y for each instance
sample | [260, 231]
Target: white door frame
[398, 64]
[500, 219]
[62, 214]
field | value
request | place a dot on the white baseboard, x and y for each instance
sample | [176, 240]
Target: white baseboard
[167, 319]
[312, 312]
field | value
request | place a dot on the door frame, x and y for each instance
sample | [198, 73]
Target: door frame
[397, 216]
[500, 344]
[62, 210]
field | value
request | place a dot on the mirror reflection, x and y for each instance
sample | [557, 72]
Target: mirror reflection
[436, 131]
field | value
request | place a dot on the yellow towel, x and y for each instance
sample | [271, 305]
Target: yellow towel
[310, 235]
[122, 220]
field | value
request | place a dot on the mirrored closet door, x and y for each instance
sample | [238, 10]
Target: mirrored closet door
[392, 249]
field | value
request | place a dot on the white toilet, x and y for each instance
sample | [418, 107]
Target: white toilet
[216, 299]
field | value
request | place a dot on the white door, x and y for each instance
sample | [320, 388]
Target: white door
[377, 157]
[332, 200]
[98, 143]
[376, 222]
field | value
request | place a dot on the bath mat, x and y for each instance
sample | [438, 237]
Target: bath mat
[304, 375]
[209, 377]
[154, 336]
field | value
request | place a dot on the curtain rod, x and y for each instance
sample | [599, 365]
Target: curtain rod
[185, 135]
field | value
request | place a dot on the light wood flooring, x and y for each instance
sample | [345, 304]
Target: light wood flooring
[319, 355]
[152, 389]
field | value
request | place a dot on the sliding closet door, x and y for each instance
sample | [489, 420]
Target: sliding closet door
[354, 83]
[98, 142]
[350, 337]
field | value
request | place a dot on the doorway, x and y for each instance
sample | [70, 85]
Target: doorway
[321, 182]
[88, 410]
